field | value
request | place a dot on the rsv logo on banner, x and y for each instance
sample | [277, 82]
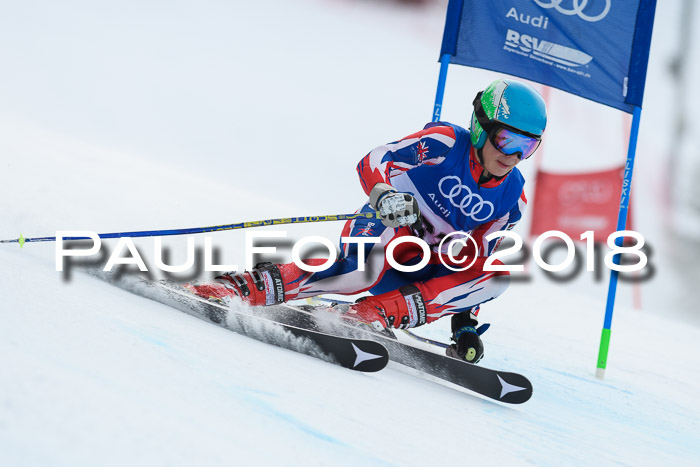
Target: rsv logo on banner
[583, 47]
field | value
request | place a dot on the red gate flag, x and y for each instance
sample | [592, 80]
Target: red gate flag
[575, 203]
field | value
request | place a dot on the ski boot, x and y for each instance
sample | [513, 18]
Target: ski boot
[400, 309]
[260, 286]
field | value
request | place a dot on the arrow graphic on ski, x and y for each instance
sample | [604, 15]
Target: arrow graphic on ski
[507, 388]
[362, 356]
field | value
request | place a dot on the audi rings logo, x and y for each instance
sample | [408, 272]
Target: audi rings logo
[578, 8]
[462, 197]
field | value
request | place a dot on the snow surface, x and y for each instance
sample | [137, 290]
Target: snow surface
[149, 115]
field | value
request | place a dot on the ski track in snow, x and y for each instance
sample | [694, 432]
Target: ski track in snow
[156, 374]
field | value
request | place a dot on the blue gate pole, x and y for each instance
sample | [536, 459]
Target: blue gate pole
[444, 63]
[621, 224]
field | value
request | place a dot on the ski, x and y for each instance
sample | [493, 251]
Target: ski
[512, 388]
[502, 386]
[322, 334]
[425, 340]
[354, 353]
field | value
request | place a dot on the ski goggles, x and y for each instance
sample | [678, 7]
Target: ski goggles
[506, 139]
[511, 143]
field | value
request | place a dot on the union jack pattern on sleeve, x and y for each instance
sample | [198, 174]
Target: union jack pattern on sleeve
[426, 147]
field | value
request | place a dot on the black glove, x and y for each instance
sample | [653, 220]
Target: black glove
[395, 209]
[465, 335]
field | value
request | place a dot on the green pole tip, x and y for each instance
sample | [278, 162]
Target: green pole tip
[21, 240]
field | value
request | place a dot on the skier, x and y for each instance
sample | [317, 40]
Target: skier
[432, 183]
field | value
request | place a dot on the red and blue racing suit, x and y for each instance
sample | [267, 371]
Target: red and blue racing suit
[440, 168]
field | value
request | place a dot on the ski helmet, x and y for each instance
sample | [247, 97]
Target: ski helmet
[513, 105]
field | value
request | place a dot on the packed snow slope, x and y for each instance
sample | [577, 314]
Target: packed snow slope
[153, 115]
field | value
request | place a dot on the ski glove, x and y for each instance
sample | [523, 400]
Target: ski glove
[395, 209]
[467, 346]
[467, 338]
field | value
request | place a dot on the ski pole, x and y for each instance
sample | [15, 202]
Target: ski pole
[216, 228]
